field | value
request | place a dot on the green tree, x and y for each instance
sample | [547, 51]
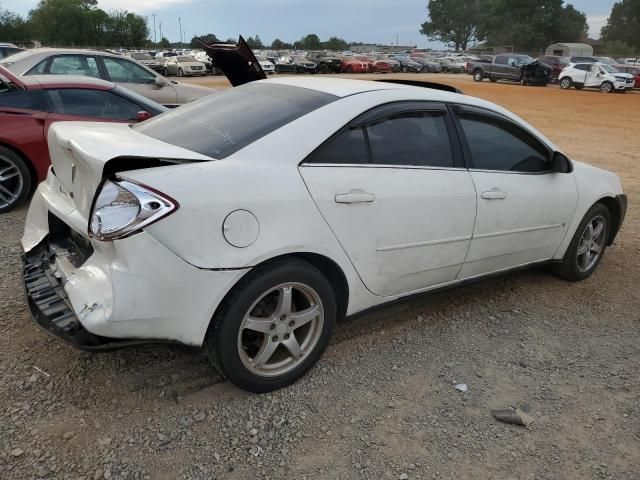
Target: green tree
[623, 24]
[13, 27]
[531, 25]
[335, 43]
[255, 43]
[164, 43]
[209, 38]
[310, 42]
[454, 22]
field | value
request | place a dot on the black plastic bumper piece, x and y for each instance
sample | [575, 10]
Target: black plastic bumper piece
[622, 208]
[50, 306]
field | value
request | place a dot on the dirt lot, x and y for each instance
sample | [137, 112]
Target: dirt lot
[382, 402]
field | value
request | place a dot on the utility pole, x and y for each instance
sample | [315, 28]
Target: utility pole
[155, 38]
[161, 37]
[180, 30]
[397, 39]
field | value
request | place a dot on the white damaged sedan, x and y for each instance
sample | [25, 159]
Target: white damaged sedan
[248, 222]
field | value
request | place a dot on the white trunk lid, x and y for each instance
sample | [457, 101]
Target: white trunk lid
[80, 150]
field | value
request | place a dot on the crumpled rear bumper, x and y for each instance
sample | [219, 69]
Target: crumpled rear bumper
[50, 306]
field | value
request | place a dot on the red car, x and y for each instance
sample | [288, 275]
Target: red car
[28, 105]
[375, 65]
[633, 70]
[352, 65]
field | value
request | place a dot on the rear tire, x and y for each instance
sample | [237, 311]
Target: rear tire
[478, 76]
[324, 68]
[565, 83]
[253, 339]
[15, 180]
[587, 246]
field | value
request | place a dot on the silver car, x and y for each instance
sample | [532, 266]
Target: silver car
[115, 68]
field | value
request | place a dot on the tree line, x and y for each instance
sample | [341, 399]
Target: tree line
[527, 25]
[308, 42]
[74, 23]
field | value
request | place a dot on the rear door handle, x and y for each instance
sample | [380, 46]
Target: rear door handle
[355, 197]
[494, 194]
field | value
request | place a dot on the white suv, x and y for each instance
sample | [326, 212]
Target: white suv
[595, 75]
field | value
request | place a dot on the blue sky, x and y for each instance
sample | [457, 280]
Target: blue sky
[375, 21]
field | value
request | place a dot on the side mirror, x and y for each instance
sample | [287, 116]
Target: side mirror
[561, 164]
[512, 63]
[142, 115]
[161, 81]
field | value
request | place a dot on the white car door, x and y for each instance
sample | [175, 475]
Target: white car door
[593, 78]
[393, 188]
[524, 209]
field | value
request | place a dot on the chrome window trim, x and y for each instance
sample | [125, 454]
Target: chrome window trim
[480, 170]
[382, 165]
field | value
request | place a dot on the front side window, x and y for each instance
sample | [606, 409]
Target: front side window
[497, 144]
[93, 103]
[584, 68]
[126, 71]
[414, 138]
[26, 99]
[73, 65]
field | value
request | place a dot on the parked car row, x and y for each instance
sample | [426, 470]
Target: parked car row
[603, 73]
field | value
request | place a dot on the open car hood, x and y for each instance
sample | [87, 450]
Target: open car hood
[237, 62]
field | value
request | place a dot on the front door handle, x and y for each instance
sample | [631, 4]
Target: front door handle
[494, 194]
[355, 197]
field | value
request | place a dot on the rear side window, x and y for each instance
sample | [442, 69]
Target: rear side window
[417, 138]
[73, 65]
[93, 103]
[221, 124]
[349, 147]
[500, 145]
[414, 138]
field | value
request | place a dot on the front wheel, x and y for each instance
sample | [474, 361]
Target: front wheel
[165, 72]
[180, 73]
[15, 180]
[606, 87]
[273, 327]
[587, 246]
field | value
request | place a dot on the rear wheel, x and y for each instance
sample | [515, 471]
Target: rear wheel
[565, 83]
[587, 246]
[478, 76]
[323, 68]
[274, 326]
[15, 180]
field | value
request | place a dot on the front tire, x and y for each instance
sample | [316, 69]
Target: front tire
[15, 180]
[273, 326]
[587, 246]
[180, 73]
[606, 87]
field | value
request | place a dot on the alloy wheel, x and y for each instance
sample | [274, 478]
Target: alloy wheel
[606, 87]
[280, 329]
[591, 243]
[11, 182]
[565, 83]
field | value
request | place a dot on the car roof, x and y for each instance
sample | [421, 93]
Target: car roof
[345, 87]
[65, 81]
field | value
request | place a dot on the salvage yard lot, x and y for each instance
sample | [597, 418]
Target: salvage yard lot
[382, 402]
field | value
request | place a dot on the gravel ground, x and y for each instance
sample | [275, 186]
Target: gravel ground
[382, 402]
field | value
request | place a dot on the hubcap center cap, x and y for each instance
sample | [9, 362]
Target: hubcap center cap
[281, 328]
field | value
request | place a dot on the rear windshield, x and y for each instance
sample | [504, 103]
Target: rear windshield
[220, 124]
